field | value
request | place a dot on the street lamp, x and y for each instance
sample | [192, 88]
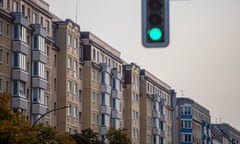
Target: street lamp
[43, 115]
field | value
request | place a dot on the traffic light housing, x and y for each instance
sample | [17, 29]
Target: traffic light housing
[155, 23]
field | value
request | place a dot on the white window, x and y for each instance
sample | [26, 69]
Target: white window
[38, 95]
[34, 18]
[186, 124]
[75, 66]
[8, 30]
[15, 6]
[39, 69]
[69, 40]
[39, 43]
[69, 109]
[75, 111]
[46, 100]
[20, 33]
[69, 86]
[69, 63]
[19, 61]
[75, 43]
[186, 137]
[75, 88]
[19, 88]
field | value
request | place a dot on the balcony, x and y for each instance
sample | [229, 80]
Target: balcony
[39, 82]
[19, 19]
[163, 101]
[156, 97]
[116, 74]
[18, 74]
[105, 109]
[20, 46]
[156, 114]
[105, 68]
[39, 56]
[105, 89]
[39, 30]
[116, 114]
[38, 108]
[103, 130]
[116, 94]
[158, 131]
[19, 103]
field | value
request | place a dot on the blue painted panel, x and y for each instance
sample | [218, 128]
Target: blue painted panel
[186, 130]
[186, 116]
[185, 142]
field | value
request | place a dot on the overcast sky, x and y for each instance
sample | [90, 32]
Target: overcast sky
[203, 58]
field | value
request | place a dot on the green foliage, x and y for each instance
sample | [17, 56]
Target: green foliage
[117, 136]
[87, 136]
[16, 129]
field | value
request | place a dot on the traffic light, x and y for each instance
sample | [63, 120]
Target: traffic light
[155, 23]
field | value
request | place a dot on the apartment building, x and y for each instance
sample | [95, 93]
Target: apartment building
[69, 76]
[131, 96]
[156, 110]
[193, 122]
[102, 85]
[40, 63]
[218, 136]
[26, 27]
[232, 134]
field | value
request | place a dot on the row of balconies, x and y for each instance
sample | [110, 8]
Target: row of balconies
[22, 103]
[158, 115]
[159, 132]
[109, 111]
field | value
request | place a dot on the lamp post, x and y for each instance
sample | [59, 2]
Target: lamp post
[43, 115]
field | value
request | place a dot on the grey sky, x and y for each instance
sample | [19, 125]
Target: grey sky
[202, 58]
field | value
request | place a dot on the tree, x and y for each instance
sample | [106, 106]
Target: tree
[15, 128]
[117, 136]
[87, 136]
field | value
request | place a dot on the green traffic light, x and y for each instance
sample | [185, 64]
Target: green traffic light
[155, 33]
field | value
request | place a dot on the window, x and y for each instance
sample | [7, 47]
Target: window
[46, 100]
[28, 14]
[75, 66]
[38, 95]
[69, 40]
[186, 124]
[75, 43]
[80, 74]
[69, 86]
[19, 88]
[187, 110]
[39, 69]
[34, 18]
[20, 33]
[0, 56]
[103, 119]
[75, 88]
[8, 30]
[7, 58]
[55, 84]
[55, 60]
[1, 3]
[75, 111]
[94, 55]
[0, 85]
[1, 24]
[23, 10]
[69, 63]
[48, 26]
[41, 21]
[47, 75]
[39, 43]
[19, 61]
[15, 6]
[69, 109]
[186, 137]
[8, 4]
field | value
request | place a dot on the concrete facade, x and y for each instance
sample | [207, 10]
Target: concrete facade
[156, 110]
[193, 122]
[102, 85]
